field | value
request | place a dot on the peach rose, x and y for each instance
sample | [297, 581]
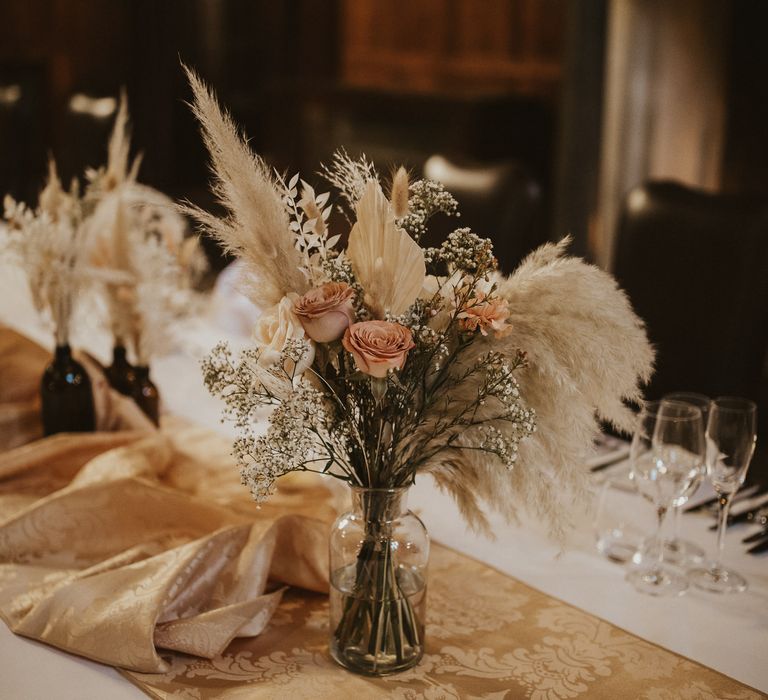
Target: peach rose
[378, 346]
[326, 311]
[481, 313]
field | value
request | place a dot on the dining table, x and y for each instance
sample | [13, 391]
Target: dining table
[727, 634]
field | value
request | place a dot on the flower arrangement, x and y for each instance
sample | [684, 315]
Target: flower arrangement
[115, 239]
[383, 359]
[48, 243]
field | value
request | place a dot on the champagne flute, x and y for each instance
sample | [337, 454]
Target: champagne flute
[731, 437]
[663, 474]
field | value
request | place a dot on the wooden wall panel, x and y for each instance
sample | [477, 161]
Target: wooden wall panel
[453, 45]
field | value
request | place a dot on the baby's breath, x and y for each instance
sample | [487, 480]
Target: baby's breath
[426, 199]
[466, 251]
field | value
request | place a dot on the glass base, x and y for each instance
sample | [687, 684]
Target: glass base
[678, 552]
[659, 581]
[360, 661]
[718, 580]
[618, 549]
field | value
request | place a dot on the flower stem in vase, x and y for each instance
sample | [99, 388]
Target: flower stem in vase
[67, 396]
[378, 599]
[121, 374]
[145, 394]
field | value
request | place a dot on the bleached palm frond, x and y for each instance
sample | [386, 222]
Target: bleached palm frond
[256, 228]
[387, 262]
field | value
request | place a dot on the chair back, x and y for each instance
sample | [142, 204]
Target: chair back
[695, 266]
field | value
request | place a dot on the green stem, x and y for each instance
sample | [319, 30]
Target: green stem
[378, 615]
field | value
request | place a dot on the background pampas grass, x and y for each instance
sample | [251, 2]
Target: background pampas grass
[48, 243]
[138, 243]
[256, 228]
[588, 355]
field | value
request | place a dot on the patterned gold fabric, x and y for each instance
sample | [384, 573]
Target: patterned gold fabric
[140, 549]
[488, 637]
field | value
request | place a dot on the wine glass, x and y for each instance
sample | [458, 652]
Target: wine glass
[618, 533]
[663, 468]
[676, 550]
[731, 436]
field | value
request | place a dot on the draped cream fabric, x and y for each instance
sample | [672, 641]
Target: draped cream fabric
[120, 561]
[139, 548]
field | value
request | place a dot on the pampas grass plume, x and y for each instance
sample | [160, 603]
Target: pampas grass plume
[399, 194]
[256, 228]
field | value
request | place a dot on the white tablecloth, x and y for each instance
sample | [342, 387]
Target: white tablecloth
[727, 633]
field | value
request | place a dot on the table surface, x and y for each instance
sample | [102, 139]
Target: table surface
[727, 633]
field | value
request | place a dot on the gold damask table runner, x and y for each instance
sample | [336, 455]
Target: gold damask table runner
[488, 637]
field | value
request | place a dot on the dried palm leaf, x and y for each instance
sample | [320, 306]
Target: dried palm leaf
[387, 262]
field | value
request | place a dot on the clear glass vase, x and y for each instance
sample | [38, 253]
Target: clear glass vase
[379, 552]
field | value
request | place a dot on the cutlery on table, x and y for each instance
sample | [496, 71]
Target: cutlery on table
[598, 464]
[757, 536]
[759, 548]
[748, 492]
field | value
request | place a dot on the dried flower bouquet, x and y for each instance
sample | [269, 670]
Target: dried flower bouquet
[385, 359]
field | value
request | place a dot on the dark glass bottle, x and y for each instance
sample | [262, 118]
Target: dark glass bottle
[145, 394]
[67, 396]
[121, 374]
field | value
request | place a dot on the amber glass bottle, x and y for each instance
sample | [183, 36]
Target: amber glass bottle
[121, 374]
[145, 394]
[67, 396]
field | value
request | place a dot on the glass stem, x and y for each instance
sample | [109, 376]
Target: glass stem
[660, 513]
[724, 504]
[677, 516]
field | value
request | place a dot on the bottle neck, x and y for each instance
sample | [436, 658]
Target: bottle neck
[379, 505]
[62, 353]
[119, 354]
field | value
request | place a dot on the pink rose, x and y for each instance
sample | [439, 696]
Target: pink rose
[378, 346]
[326, 311]
[480, 313]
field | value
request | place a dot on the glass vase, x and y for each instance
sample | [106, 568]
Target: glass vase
[379, 552]
[146, 395]
[121, 374]
[66, 395]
